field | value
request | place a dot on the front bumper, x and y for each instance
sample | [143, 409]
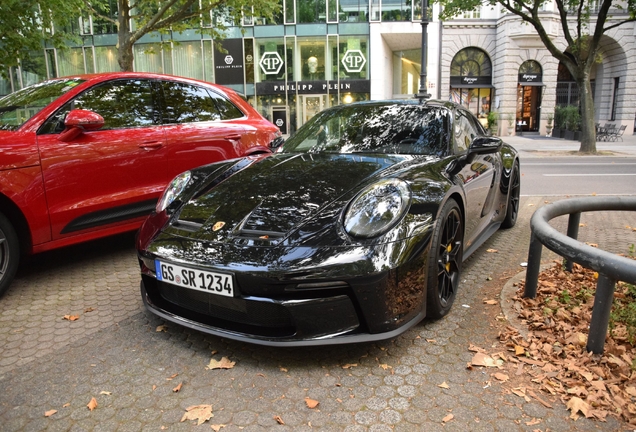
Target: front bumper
[264, 321]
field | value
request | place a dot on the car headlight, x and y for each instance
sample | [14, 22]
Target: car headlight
[377, 208]
[174, 189]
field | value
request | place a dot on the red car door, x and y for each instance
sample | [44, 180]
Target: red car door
[195, 132]
[110, 176]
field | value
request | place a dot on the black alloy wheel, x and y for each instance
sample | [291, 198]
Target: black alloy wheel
[445, 261]
[9, 253]
[512, 209]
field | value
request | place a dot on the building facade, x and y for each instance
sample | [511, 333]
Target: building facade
[318, 53]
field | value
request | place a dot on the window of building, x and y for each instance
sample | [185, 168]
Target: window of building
[101, 25]
[353, 11]
[272, 59]
[396, 10]
[150, 58]
[188, 59]
[71, 61]
[471, 81]
[475, 14]
[407, 66]
[106, 59]
[313, 58]
[277, 19]
[354, 57]
[375, 10]
[311, 11]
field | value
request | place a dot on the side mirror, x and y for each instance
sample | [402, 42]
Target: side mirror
[485, 144]
[78, 121]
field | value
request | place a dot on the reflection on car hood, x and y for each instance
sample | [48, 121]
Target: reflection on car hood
[268, 199]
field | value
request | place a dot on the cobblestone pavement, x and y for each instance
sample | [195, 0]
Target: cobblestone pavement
[114, 354]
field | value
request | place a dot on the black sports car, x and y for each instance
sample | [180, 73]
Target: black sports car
[354, 230]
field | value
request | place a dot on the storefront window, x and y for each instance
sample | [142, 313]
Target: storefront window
[248, 60]
[271, 60]
[407, 66]
[354, 57]
[188, 60]
[208, 61]
[312, 58]
[70, 62]
[277, 19]
[353, 11]
[311, 11]
[106, 59]
[290, 11]
[471, 81]
[148, 58]
[332, 10]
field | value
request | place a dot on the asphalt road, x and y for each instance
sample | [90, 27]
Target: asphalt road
[576, 175]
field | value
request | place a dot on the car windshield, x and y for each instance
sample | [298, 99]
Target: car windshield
[374, 128]
[16, 108]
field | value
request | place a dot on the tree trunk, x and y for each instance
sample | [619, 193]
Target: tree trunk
[125, 41]
[588, 130]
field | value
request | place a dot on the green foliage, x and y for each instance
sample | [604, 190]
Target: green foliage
[559, 117]
[624, 312]
[572, 118]
[25, 28]
[492, 119]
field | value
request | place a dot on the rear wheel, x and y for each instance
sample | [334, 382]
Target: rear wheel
[512, 209]
[9, 253]
[445, 261]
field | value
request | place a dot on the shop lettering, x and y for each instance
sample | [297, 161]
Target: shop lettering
[469, 80]
[353, 61]
[293, 87]
[271, 63]
[530, 77]
[342, 86]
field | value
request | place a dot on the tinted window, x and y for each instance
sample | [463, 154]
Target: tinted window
[464, 132]
[226, 108]
[18, 107]
[374, 128]
[122, 103]
[185, 103]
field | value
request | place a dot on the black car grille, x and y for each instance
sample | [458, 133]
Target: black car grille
[255, 317]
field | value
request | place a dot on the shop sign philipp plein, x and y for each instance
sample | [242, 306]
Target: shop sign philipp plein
[353, 61]
[271, 63]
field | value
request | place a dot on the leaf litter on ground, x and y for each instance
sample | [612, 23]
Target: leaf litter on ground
[553, 357]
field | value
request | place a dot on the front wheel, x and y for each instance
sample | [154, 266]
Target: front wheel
[512, 209]
[9, 253]
[445, 261]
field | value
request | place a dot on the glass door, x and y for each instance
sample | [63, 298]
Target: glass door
[310, 105]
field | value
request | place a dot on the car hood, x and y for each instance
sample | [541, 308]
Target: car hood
[266, 201]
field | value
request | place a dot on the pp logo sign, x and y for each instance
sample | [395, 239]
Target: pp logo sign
[229, 59]
[280, 122]
[353, 61]
[271, 63]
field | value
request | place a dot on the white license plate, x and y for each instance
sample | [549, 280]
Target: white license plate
[200, 280]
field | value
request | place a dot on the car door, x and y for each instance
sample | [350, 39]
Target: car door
[111, 175]
[196, 132]
[476, 176]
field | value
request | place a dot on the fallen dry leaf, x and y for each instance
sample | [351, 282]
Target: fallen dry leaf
[49, 413]
[577, 404]
[492, 250]
[66, 405]
[71, 317]
[481, 359]
[224, 363]
[491, 302]
[172, 377]
[533, 422]
[385, 366]
[217, 427]
[279, 420]
[200, 413]
[448, 418]
[162, 328]
[89, 309]
[501, 377]
[92, 404]
[348, 366]
[311, 403]
[177, 388]
[104, 392]
[283, 369]
[443, 385]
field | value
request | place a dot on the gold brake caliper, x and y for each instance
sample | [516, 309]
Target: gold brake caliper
[448, 250]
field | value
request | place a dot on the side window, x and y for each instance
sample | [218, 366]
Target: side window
[226, 108]
[185, 103]
[464, 132]
[122, 103]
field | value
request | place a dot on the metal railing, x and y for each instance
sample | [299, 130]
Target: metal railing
[611, 268]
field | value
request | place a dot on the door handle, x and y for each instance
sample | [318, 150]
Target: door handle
[233, 137]
[151, 145]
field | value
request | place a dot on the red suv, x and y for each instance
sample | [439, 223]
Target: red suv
[87, 156]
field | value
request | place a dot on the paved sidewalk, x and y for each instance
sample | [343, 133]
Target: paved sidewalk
[540, 146]
[114, 354]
